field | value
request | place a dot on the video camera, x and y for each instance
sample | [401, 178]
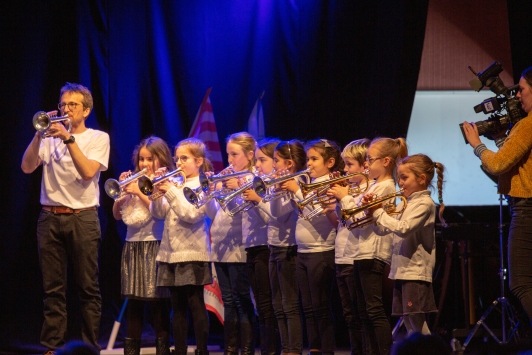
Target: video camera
[504, 100]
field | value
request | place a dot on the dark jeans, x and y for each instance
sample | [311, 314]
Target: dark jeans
[259, 278]
[234, 284]
[345, 279]
[315, 275]
[520, 252]
[184, 297]
[285, 294]
[368, 279]
[76, 237]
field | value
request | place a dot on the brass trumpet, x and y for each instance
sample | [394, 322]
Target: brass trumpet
[115, 188]
[147, 186]
[266, 188]
[316, 193]
[42, 122]
[390, 208]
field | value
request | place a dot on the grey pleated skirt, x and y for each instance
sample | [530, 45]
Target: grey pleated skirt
[185, 273]
[139, 271]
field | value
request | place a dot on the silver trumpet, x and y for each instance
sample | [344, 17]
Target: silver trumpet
[266, 189]
[233, 202]
[115, 188]
[199, 195]
[42, 122]
[150, 188]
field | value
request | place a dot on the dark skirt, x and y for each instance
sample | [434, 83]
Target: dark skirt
[185, 273]
[139, 271]
[412, 296]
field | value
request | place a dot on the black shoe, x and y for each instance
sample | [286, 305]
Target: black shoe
[162, 346]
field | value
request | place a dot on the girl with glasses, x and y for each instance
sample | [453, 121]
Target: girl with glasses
[184, 254]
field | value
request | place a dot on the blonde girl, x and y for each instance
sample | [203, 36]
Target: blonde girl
[371, 251]
[414, 244]
[354, 157]
[229, 255]
[138, 266]
[288, 156]
[257, 233]
[184, 253]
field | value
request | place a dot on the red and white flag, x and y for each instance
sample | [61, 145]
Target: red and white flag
[204, 128]
[213, 297]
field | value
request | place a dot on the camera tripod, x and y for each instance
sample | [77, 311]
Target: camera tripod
[509, 326]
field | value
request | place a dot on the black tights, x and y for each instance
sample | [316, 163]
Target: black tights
[160, 318]
[183, 297]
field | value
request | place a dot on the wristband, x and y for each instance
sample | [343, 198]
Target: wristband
[70, 140]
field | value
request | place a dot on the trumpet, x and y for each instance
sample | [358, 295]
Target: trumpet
[266, 188]
[316, 193]
[115, 188]
[42, 122]
[199, 195]
[233, 202]
[147, 186]
[327, 184]
[390, 208]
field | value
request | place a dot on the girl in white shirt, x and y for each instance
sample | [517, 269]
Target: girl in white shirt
[184, 253]
[256, 233]
[288, 156]
[414, 244]
[354, 156]
[315, 259]
[371, 250]
[144, 233]
[228, 254]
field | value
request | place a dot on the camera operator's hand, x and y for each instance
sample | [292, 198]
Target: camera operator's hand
[471, 134]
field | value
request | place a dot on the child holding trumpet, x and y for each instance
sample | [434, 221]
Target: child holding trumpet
[144, 233]
[354, 156]
[372, 251]
[414, 244]
[184, 254]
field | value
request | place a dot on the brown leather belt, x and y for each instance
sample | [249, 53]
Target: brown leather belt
[66, 210]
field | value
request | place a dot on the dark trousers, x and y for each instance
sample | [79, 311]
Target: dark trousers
[239, 313]
[520, 252]
[368, 279]
[183, 298]
[315, 275]
[285, 295]
[61, 237]
[345, 279]
[259, 278]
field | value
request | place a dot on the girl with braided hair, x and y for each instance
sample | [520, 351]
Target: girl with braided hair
[414, 243]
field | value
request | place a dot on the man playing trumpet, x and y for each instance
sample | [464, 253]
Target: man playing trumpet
[68, 226]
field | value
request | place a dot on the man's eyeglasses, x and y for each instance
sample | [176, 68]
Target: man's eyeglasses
[371, 160]
[71, 105]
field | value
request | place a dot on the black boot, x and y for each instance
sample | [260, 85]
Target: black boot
[247, 344]
[268, 340]
[131, 346]
[230, 338]
[162, 346]
[201, 352]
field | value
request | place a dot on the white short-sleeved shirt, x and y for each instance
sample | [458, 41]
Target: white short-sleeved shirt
[61, 183]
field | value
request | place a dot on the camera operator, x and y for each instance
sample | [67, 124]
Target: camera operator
[513, 164]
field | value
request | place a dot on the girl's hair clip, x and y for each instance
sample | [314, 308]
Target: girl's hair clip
[327, 145]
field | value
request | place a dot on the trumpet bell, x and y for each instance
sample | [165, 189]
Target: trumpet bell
[42, 121]
[149, 187]
[112, 188]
